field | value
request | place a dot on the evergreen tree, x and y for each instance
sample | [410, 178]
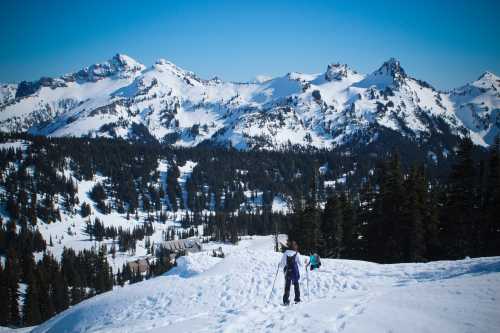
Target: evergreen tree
[384, 214]
[12, 277]
[77, 290]
[459, 220]
[349, 228]
[307, 228]
[433, 244]
[31, 306]
[60, 292]
[4, 298]
[414, 214]
[47, 309]
[332, 228]
[490, 228]
[85, 209]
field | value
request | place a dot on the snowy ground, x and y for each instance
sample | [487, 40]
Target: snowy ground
[206, 294]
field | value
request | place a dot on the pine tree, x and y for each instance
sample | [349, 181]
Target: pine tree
[77, 290]
[47, 309]
[368, 222]
[307, 228]
[31, 306]
[332, 228]
[433, 244]
[459, 217]
[349, 228]
[28, 265]
[12, 278]
[490, 230]
[4, 298]
[384, 214]
[414, 213]
[85, 209]
[60, 293]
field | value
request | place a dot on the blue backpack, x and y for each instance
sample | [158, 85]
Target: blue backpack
[291, 268]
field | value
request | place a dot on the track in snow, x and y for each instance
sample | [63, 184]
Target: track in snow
[206, 294]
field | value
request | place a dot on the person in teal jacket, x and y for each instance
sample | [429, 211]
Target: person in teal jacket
[314, 262]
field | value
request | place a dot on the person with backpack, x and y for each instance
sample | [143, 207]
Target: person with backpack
[314, 262]
[291, 263]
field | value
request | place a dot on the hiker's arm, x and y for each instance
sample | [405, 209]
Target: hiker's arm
[283, 260]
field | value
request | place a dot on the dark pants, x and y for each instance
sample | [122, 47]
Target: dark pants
[296, 289]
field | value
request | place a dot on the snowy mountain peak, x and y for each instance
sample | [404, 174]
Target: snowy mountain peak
[120, 65]
[126, 63]
[487, 80]
[162, 65]
[392, 68]
[164, 62]
[389, 74]
[336, 72]
[488, 76]
[168, 67]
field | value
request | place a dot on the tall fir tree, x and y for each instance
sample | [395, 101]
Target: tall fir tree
[490, 234]
[414, 214]
[12, 276]
[4, 298]
[332, 228]
[306, 230]
[350, 229]
[459, 217]
[387, 231]
[31, 307]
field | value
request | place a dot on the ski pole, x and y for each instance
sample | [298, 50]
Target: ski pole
[272, 289]
[308, 292]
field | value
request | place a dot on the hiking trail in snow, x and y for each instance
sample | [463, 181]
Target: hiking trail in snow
[207, 294]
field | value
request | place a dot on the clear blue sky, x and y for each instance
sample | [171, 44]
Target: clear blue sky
[444, 42]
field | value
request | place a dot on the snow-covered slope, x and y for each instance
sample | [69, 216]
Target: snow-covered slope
[477, 105]
[123, 98]
[206, 294]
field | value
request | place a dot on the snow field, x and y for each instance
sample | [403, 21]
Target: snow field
[206, 294]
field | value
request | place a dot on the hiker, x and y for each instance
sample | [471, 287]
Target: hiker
[291, 263]
[314, 262]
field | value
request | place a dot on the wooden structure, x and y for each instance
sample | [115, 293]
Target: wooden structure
[190, 245]
[141, 265]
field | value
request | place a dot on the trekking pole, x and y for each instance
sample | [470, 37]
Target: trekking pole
[272, 289]
[308, 292]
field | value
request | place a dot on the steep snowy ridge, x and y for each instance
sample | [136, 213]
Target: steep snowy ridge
[477, 105]
[123, 98]
[206, 294]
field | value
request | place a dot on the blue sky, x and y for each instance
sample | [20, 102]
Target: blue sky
[446, 43]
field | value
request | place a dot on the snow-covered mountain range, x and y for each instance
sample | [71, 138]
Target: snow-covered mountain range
[123, 98]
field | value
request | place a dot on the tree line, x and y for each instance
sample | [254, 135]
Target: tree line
[404, 216]
[51, 285]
